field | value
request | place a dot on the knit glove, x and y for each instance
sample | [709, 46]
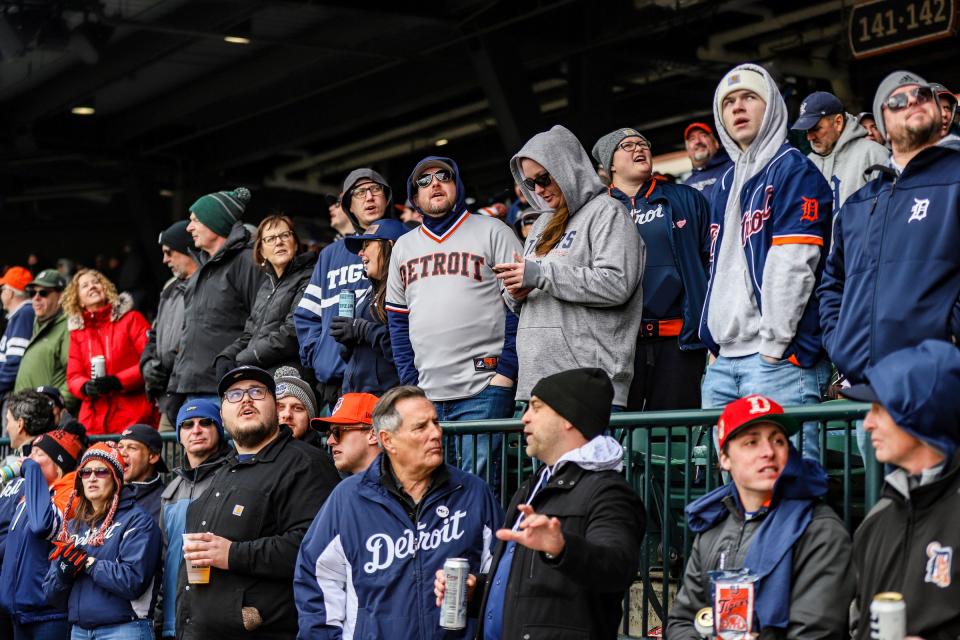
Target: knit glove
[349, 330]
[106, 384]
[91, 390]
[223, 365]
[70, 560]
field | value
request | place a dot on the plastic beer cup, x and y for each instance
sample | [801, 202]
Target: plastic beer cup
[195, 574]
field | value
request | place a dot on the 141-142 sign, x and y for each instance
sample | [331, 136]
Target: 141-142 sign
[882, 26]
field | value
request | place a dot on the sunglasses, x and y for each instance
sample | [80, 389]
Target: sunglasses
[100, 472]
[236, 395]
[442, 175]
[543, 180]
[900, 101]
[203, 422]
[336, 431]
[43, 293]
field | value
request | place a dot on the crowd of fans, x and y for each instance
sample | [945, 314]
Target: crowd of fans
[603, 287]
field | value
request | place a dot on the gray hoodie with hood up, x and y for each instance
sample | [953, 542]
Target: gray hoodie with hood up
[844, 167]
[585, 305]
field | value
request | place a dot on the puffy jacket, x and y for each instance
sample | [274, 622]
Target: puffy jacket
[363, 546]
[580, 593]
[120, 586]
[265, 505]
[14, 342]
[893, 275]
[46, 358]
[119, 333]
[187, 485]
[910, 545]
[269, 339]
[845, 167]
[163, 341]
[686, 215]
[219, 299]
[706, 177]
[337, 270]
[36, 518]
[370, 367]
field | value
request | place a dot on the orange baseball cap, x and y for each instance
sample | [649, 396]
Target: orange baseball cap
[351, 408]
[697, 125]
[17, 278]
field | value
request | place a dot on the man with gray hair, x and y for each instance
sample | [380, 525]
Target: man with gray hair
[397, 522]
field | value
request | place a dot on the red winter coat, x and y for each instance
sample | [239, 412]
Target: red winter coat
[118, 333]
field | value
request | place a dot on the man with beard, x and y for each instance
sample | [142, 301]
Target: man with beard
[250, 521]
[868, 122]
[709, 159]
[893, 274]
[467, 365]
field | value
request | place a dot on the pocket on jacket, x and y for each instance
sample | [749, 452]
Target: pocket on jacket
[241, 516]
[548, 348]
[551, 632]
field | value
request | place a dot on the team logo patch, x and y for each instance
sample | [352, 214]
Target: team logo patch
[939, 563]
[803, 108]
[809, 209]
[282, 389]
[919, 209]
[734, 79]
[372, 229]
[238, 510]
[443, 511]
[681, 224]
[485, 364]
[339, 404]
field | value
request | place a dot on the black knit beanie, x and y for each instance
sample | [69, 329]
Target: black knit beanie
[582, 396]
[177, 238]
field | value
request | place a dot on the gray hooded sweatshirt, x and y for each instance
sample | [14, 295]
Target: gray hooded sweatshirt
[844, 167]
[584, 309]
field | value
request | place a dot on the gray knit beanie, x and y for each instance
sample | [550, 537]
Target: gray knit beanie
[606, 146]
[289, 383]
[887, 86]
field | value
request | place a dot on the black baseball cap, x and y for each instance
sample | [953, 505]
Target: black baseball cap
[150, 438]
[247, 372]
[54, 394]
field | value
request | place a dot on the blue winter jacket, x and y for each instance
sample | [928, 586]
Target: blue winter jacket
[688, 214]
[705, 178]
[13, 343]
[337, 270]
[120, 586]
[34, 523]
[788, 202]
[892, 278]
[9, 496]
[365, 570]
[370, 367]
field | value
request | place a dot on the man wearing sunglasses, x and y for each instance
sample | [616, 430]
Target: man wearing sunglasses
[349, 432]
[19, 327]
[366, 198]
[205, 447]
[44, 361]
[252, 519]
[893, 274]
[450, 330]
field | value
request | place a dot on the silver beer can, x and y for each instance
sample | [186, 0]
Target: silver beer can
[888, 616]
[453, 609]
[98, 367]
[347, 303]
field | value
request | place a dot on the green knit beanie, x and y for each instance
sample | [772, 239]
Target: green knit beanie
[219, 211]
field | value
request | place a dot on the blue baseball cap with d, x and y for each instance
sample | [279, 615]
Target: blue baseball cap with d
[200, 408]
[920, 389]
[386, 229]
[815, 106]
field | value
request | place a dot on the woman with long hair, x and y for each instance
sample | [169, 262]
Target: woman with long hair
[577, 286]
[365, 338]
[269, 339]
[104, 326]
[48, 479]
[107, 554]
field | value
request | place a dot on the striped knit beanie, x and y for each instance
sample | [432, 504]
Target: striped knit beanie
[219, 211]
[107, 453]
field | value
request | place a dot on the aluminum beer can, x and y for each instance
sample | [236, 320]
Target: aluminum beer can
[888, 616]
[347, 304]
[98, 367]
[453, 609]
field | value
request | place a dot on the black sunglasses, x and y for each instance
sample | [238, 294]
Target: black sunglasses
[203, 422]
[335, 431]
[100, 472]
[43, 293]
[543, 180]
[900, 101]
[442, 175]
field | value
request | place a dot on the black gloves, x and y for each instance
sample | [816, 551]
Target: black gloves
[349, 330]
[90, 390]
[70, 558]
[223, 365]
[102, 385]
[155, 379]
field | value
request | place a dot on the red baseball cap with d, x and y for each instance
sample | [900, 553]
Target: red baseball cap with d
[351, 408]
[751, 410]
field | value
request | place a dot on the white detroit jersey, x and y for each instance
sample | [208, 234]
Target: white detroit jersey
[447, 286]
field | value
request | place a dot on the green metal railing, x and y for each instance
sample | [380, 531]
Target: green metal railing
[670, 460]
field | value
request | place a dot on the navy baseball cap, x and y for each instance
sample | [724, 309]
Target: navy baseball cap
[147, 436]
[54, 394]
[247, 372]
[920, 389]
[815, 106]
[386, 229]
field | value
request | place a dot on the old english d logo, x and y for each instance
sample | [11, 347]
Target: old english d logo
[809, 209]
[939, 563]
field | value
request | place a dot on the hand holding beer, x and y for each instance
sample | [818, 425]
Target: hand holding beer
[202, 551]
[440, 586]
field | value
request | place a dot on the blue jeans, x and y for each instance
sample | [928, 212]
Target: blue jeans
[49, 630]
[136, 630]
[728, 379]
[492, 402]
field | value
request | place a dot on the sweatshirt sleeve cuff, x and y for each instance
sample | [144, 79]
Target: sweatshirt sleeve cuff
[531, 274]
[773, 349]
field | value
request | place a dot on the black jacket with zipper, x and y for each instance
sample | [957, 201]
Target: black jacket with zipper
[911, 545]
[269, 339]
[264, 505]
[578, 595]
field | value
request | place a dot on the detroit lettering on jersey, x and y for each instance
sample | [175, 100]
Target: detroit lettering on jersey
[566, 241]
[345, 274]
[644, 217]
[90, 532]
[753, 221]
[442, 263]
[384, 550]
[11, 487]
